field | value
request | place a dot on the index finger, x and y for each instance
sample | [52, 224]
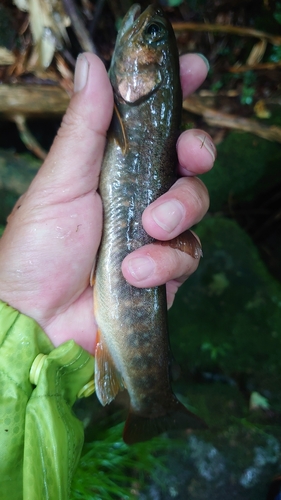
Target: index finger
[193, 71]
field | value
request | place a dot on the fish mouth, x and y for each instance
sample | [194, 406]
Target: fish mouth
[135, 11]
[128, 21]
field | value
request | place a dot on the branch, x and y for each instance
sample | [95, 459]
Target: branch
[27, 137]
[32, 100]
[42, 100]
[219, 119]
[228, 28]
[258, 66]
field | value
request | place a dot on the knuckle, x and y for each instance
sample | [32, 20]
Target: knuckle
[193, 193]
[71, 122]
[175, 265]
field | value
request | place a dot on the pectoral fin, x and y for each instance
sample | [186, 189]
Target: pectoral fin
[92, 275]
[108, 382]
[117, 130]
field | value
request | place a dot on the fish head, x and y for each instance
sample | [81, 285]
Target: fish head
[145, 55]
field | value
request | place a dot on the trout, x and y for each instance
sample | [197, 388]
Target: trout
[132, 349]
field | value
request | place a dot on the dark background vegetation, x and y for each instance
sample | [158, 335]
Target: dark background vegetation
[225, 324]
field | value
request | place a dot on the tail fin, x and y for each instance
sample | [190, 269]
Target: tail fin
[140, 428]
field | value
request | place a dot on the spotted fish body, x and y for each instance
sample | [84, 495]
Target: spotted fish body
[138, 166]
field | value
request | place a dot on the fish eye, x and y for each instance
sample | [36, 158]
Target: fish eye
[155, 31]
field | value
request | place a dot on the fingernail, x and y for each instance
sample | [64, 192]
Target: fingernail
[141, 267]
[205, 60]
[168, 215]
[81, 73]
[207, 144]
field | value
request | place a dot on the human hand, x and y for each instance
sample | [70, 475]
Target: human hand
[52, 237]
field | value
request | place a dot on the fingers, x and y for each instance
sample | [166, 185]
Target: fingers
[72, 166]
[184, 205]
[181, 207]
[73, 163]
[196, 152]
[171, 214]
[187, 201]
[193, 71]
[177, 210]
[154, 265]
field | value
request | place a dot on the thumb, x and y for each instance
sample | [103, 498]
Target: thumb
[72, 166]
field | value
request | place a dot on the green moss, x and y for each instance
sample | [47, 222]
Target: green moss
[227, 316]
[246, 165]
[16, 173]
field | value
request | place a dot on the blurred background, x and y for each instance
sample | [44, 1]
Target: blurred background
[225, 326]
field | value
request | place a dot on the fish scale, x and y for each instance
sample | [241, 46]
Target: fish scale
[139, 165]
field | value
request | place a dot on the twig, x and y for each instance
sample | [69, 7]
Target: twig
[27, 138]
[227, 28]
[258, 66]
[32, 100]
[218, 119]
[78, 27]
[39, 100]
[95, 20]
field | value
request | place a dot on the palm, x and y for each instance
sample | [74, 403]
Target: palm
[65, 232]
[52, 239]
[49, 246]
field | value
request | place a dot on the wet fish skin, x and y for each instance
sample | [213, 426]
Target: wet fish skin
[138, 166]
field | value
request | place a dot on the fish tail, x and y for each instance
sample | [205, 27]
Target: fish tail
[140, 428]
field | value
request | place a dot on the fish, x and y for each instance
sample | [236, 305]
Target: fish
[132, 350]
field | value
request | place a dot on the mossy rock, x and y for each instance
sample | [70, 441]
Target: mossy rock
[227, 316]
[16, 173]
[245, 166]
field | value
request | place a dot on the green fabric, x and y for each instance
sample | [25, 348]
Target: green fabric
[40, 437]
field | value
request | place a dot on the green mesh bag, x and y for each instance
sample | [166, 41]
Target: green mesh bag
[40, 437]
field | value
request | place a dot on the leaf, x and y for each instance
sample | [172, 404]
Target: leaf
[258, 401]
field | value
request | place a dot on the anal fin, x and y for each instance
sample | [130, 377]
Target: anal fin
[108, 381]
[186, 242]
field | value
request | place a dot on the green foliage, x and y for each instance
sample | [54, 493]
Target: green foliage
[174, 3]
[248, 87]
[275, 54]
[218, 82]
[258, 401]
[217, 85]
[216, 351]
[248, 81]
[108, 466]
[277, 13]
